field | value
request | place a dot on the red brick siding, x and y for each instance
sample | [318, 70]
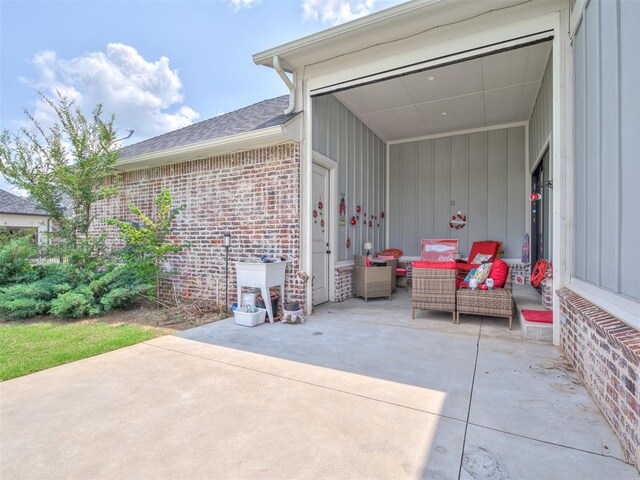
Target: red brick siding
[343, 283]
[253, 195]
[606, 354]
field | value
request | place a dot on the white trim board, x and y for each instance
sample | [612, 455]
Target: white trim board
[620, 307]
[459, 132]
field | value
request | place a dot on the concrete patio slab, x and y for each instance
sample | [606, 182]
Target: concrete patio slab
[361, 359]
[494, 455]
[148, 412]
[527, 389]
[360, 391]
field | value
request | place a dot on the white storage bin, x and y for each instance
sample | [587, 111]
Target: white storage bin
[249, 319]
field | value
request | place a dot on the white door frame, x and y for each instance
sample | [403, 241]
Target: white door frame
[332, 221]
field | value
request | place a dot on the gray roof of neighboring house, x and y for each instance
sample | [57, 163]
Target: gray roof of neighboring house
[267, 113]
[12, 204]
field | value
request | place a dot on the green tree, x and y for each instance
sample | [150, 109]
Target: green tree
[70, 160]
[148, 240]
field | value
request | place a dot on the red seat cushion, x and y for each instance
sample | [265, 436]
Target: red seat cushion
[401, 271]
[489, 247]
[499, 273]
[441, 265]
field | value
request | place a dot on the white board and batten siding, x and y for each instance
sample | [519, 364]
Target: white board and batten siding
[606, 239]
[481, 174]
[361, 177]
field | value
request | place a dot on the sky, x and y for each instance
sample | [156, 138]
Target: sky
[156, 65]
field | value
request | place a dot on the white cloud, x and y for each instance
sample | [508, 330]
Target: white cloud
[335, 12]
[240, 4]
[146, 96]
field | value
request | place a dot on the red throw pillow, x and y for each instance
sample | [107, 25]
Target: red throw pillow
[367, 262]
[499, 273]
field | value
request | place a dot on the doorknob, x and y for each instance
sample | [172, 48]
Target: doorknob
[328, 251]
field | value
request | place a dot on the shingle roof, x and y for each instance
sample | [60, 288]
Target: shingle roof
[10, 203]
[267, 113]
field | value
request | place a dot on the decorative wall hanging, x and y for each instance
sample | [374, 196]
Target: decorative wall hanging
[370, 223]
[382, 214]
[315, 216]
[320, 205]
[342, 210]
[322, 225]
[458, 221]
[358, 208]
[354, 220]
[348, 242]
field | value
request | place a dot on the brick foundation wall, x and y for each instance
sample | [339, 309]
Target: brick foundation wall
[253, 195]
[606, 354]
[343, 283]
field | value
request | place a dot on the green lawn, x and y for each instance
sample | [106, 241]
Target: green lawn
[28, 348]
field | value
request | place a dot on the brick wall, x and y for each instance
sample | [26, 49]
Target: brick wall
[343, 283]
[253, 195]
[606, 354]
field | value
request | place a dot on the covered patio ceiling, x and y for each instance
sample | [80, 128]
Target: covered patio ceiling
[492, 90]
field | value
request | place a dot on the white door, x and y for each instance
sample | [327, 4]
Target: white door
[320, 234]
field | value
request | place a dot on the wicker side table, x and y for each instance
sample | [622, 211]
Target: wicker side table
[496, 302]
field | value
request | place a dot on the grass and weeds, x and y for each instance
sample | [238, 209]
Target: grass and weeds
[27, 347]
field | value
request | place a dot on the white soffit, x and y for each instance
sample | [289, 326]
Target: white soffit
[496, 89]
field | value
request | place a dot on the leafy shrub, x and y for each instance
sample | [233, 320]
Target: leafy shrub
[117, 298]
[25, 300]
[76, 303]
[15, 262]
[7, 236]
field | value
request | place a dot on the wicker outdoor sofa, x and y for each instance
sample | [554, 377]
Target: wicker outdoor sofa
[496, 302]
[435, 289]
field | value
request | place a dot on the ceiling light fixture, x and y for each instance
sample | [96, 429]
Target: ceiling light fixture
[443, 113]
[431, 77]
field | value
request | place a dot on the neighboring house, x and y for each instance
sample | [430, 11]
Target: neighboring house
[412, 114]
[20, 214]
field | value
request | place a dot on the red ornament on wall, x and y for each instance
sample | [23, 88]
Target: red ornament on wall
[315, 213]
[358, 208]
[370, 223]
[320, 205]
[348, 243]
[353, 220]
[381, 214]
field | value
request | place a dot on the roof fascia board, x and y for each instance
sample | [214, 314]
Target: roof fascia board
[25, 214]
[265, 137]
[436, 48]
[379, 18]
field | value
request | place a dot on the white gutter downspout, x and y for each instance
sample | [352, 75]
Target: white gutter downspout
[287, 81]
